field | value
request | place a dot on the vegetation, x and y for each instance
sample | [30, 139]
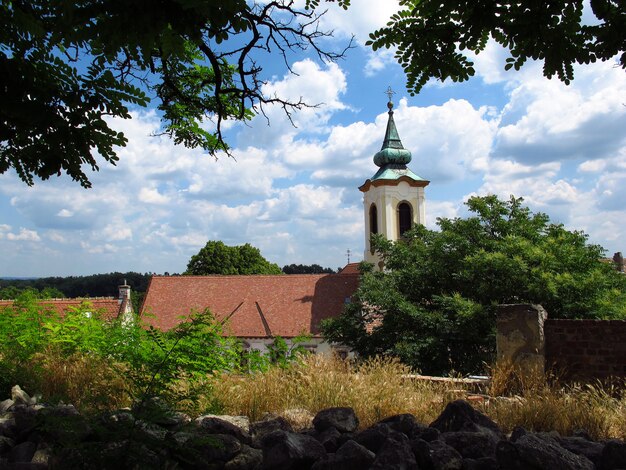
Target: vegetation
[101, 366]
[378, 388]
[306, 269]
[69, 65]
[434, 305]
[217, 258]
[94, 364]
[95, 285]
[432, 36]
[12, 292]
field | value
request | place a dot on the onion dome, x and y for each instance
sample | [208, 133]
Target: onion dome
[392, 152]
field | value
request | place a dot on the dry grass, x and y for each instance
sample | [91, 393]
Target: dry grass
[90, 383]
[542, 402]
[375, 389]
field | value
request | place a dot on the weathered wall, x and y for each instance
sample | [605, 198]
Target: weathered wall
[586, 348]
[576, 349]
[520, 335]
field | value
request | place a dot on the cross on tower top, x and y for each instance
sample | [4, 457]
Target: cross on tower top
[390, 93]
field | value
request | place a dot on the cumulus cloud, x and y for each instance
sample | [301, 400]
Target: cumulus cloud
[292, 191]
[23, 235]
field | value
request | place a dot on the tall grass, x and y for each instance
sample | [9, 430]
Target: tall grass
[543, 402]
[379, 388]
[375, 389]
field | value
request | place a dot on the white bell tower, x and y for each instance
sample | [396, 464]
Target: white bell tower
[393, 199]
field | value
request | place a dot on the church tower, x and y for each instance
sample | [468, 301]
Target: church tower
[393, 199]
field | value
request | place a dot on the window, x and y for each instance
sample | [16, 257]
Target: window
[373, 219]
[405, 218]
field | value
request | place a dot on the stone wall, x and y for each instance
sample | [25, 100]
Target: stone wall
[586, 348]
[576, 349]
[520, 335]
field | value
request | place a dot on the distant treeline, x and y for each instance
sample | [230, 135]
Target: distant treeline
[96, 285]
[306, 269]
[106, 285]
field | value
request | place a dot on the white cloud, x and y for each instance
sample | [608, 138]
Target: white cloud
[292, 191]
[152, 196]
[65, 213]
[24, 235]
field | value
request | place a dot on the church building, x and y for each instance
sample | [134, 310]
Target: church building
[257, 308]
[393, 199]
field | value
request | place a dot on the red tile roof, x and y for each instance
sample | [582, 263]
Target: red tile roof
[350, 268]
[251, 306]
[109, 307]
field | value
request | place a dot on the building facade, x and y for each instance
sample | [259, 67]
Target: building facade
[393, 199]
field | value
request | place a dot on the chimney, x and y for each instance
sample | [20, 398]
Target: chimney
[125, 312]
[124, 294]
[618, 259]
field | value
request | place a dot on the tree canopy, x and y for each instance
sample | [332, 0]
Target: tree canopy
[434, 305]
[217, 258]
[432, 37]
[68, 66]
[306, 269]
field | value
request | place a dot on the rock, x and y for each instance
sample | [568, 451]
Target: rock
[20, 397]
[354, 452]
[157, 411]
[6, 443]
[63, 424]
[260, 429]
[459, 415]
[283, 450]
[7, 427]
[41, 456]
[426, 434]
[242, 422]
[539, 452]
[350, 456]
[248, 459]
[517, 432]
[148, 432]
[118, 422]
[222, 447]
[341, 418]
[329, 438]
[581, 446]
[373, 438]
[473, 445]
[395, 454]
[614, 455]
[436, 455]
[23, 452]
[484, 463]
[212, 425]
[25, 419]
[6, 405]
[405, 423]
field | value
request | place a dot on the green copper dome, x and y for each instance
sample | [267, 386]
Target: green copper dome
[392, 152]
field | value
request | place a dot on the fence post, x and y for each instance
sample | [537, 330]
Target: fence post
[519, 335]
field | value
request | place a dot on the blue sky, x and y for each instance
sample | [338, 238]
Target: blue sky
[292, 191]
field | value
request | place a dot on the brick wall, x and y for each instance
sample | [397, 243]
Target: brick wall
[586, 348]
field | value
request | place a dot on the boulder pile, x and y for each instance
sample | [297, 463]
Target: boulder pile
[35, 436]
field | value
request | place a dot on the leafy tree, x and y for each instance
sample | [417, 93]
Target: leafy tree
[13, 292]
[434, 305]
[95, 285]
[217, 258]
[65, 66]
[306, 269]
[431, 36]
